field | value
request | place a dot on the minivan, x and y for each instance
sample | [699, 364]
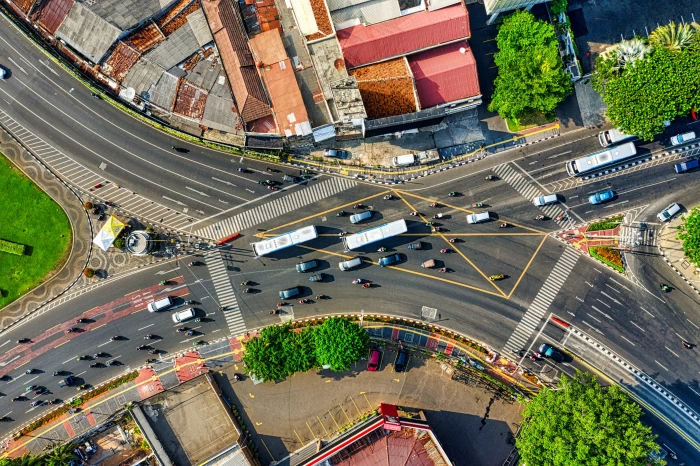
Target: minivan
[160, 305]
[403, 160]
[478, 218]
[546, 199]
[612, 136]
[679, 139]
[401, 360]
[668, 213]
[306, 266]
[183, 315]
[357, 218]
[290, 293]
[350, 264]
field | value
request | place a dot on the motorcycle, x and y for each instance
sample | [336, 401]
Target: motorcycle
[358, 206]
[56, 373]
[490, 178]
[23, 340]
[321, 296]
[245, 283]
[382, 249]
[452, 240]
[72, 330]
[665, 288]
[115, 338]
[141, 347]
[149, 337]
[237, 377]
[190, 264]
[433, 204]
[430, 224]
[435, 230]
[304, 301]
[190, 333]
[340, 214]
[246, 290]
[452, 194]
[197, 320]
[540, 217]
[388, 197]
[503, 225]
[275, 311]
[153, 351]
[81, 358]
[357, 281]
[342, 233]
[478, 204]
[198, 343]
[93, 365]
[687, 345]
[30, 371]
[110, 363]
[81, 321]
[182, 329]
[151, 361]
[273, 188]
[413, 214]
[444, 251]
[31, 387]
[366, 285]
[437, 216]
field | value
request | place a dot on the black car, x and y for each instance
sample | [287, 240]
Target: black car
[401, 360]
[317, 277]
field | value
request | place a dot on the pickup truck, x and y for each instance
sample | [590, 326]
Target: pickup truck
[687, 165]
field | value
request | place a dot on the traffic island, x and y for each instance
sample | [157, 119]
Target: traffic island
[599, 240]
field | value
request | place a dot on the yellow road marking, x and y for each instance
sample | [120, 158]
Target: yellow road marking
[258, 423]
[268, 450]
[493, 282]
[312, 432]
[324, 427]
[251, 395]
[367, 400]
[98, 327]
[336, 423]
[544, 238]
[300, 440]
[358, 409]
[346, 414]
[61, 344]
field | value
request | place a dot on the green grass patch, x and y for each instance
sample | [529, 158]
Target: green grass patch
[12, 248]
[605, 224]
[529, 121]
[31, 219]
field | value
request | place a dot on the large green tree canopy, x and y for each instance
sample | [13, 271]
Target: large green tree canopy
[531, 77]
[689, 233]
[339, 343]
[583, 424]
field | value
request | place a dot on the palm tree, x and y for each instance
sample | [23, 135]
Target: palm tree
[60, 455]
[627, 52]
[28, 460]
[673, 36]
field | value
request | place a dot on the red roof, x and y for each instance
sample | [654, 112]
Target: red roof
[369, 44]
[445, 74]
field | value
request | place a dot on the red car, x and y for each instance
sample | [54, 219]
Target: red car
[375, 359]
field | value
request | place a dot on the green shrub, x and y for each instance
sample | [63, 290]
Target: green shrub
[12, 248]
[607, 224]
[118, 243]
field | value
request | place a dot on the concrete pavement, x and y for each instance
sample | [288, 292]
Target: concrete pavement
[671, 248]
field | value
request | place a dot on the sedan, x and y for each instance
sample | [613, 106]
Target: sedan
[341, 154]
[388, 260]
[550, 352]
[601, 197]
[317, 277]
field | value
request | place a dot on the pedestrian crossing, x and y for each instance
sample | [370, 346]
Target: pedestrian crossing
[288, 203]
[529, 192]
[631, 236]
[539, 306]
[224, 292]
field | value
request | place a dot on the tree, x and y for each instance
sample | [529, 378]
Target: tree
[60, 455]
[558, 6]
[300, 351]
[673, 36]
[88, 205]
[689, 233]
[628, 52]
[339, 343]
[584, 424]
[265, 355]
[530, 71]
[88, 272]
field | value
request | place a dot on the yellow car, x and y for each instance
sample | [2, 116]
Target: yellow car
[500, 276]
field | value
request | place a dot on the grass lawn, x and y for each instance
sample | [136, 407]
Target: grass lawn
[608, 224]
[531, 120]
[28, 216]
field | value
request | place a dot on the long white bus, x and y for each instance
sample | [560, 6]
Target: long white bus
[375, 234]
[286, 240]
[600, 160]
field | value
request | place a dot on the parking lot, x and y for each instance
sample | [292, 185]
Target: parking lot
[473, 427]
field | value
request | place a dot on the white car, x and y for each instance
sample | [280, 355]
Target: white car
[2, 73]
[183, 315]
[540, 201]
[668, 213]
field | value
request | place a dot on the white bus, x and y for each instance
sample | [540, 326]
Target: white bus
[600, 160]
[286, 240]
[375, 234]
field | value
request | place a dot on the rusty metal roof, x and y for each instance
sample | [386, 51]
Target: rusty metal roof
[145, 37]
[190, 101]
[120, 61]
[52, 13]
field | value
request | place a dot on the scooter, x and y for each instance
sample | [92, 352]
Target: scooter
[340, 214]
[413, 214]
[490, 178]
[358, 206]
[245, 283]
[382, 249]
[388, 197]
[478, 204]
[540, 217]
[304, 301]
[357, 281]
[437, 216]
[453, 194]
[503, 225]
[444, 250]
[443, 270]
[182, 329]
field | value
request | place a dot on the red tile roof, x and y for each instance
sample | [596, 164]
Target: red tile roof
[232, 42]
[445, 74]
[52, 13]
[369, 44]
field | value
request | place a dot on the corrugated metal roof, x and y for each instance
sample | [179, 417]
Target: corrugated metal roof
[120, 61]
[219, 114]
[87, 32]
[362, 45]
[437, 4]
[145, 37]
[200, 28]
[52, 13]
[176, 48]
[142, 76]
[190, 101]
[162, 93]
[24, 5]
[205, 73]
[126, 14]
[445, 74]
[371, 12]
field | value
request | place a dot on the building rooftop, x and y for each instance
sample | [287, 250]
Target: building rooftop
[328, 62]
[220, 113]
[142, 76]
[322, 18]
[232, 43]
[278, 74]
[52, 13]
[162, 93]
[120, 61]
[144, 38]
[367, 12]
[445, 74]
[88, 33]
[24, 5]
[386, 88]
[200, 28]
[125, 14]
[176, 48]
[401, 36]
[205, 73]
[437, 4]
[348, 99]
[190, 101]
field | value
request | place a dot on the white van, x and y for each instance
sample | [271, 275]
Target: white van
[350, 264]
[679, 139]
[540, 201]
[403, 160]
[612, 136]
[160, 305]
[357, 218]
[478, 218]
[183, 315]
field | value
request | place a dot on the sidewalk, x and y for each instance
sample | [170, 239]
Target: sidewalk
[671, 249]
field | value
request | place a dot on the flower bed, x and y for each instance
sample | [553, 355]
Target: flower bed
[609, 256]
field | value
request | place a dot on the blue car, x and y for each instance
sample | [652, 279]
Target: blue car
[601, 197]
[388, 260]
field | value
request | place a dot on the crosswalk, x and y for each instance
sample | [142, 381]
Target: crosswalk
[529, 192]
[637, 235]
[539, 306]
[280, 206]
[224, 292]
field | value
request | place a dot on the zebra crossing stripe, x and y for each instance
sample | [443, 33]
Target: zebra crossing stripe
[224, 293]
[529, 192]
[288, 203]
[540, 305]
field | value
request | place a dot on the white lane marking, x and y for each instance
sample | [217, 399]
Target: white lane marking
[579, 299]
[593, 317]
[620, 284]
[616, 291]
[557, 155]
[640, 328]
[146, 326]
[603, 303]
[8, 362]
[628, 341]
[691, 323]
[657, 362]
[647, 311]
[646, 186]
[15, 63]
[671, 351]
